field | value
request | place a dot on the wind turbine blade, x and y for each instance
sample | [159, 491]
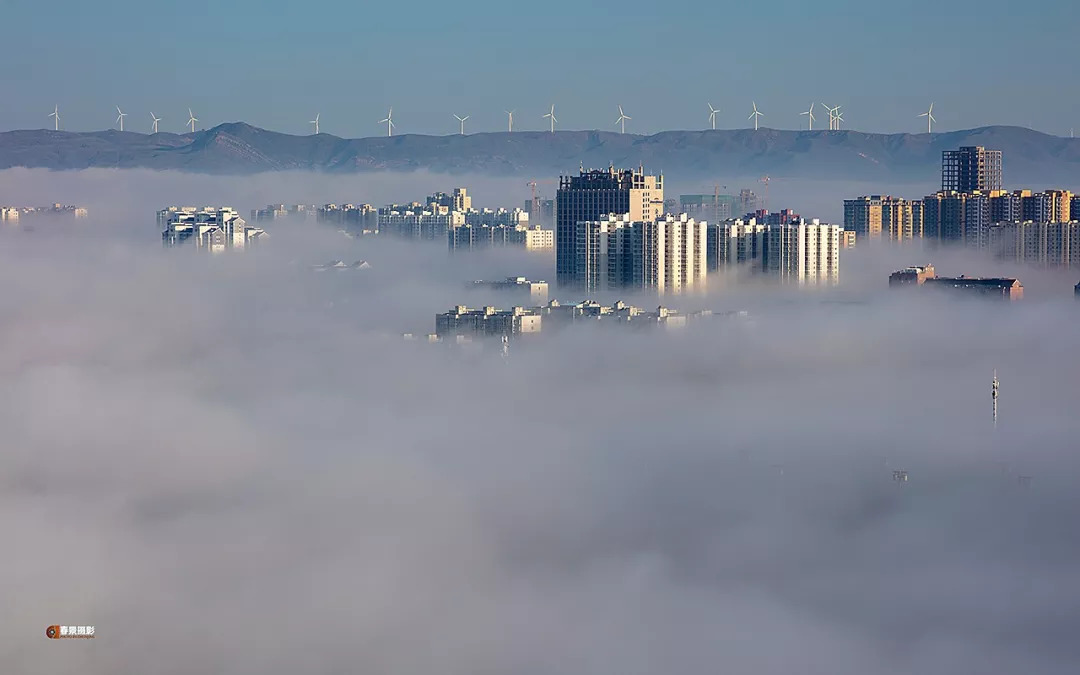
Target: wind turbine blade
[627, 117]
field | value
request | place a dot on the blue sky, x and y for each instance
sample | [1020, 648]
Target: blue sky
[275, 63]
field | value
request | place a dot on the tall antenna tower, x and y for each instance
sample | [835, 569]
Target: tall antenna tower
[994, 395]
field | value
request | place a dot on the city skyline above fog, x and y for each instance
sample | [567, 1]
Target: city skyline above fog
[277, 65]
[204, 450]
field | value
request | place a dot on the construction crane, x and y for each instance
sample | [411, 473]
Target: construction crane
[535, 197]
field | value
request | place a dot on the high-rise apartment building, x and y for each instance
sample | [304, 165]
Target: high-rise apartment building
[884, 217]
[211, 229]
[458, 201]
[666, 255]
[592, 196]
[943, 216]
[805, 252]
[971, 169]
[735, 242]
[1031, 243]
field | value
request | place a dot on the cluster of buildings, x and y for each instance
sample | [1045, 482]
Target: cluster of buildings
[14, 214]
[443, 217]
[972, 209]
[994, 287]
[211, 229]
[272, 212]
[611, 232]
[462, 321]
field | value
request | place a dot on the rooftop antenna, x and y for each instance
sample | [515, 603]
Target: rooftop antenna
[156, 120]
[755, 115]
[316, 123]
[622, 120]
[994, 395]
[712, 116]
[510, 115]
[462, 121]
[192, 119]
[120, 115]
[929, 115]
[810, 112]
[389, 122]
[55, 114]
[552, 116]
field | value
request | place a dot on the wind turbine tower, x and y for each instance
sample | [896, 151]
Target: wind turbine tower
[755, 115]
[192, 119]
[462, 121]
[55, 114]
[510, 115]
[712, 116]
[389, 122]
[929, 115]
[622, 120]
[120, 115]
[810, 112]
[316, 123]
[551, 115]
[156, 120]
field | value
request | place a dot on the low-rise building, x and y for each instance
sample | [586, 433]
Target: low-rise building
[487, 321]
[534, 291]
[1007, 288]
[911, 276]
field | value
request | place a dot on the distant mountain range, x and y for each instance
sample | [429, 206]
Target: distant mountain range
[1031, 158]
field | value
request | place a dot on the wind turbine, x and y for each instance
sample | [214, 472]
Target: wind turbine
[389, 122]
[755, 115]
[55, 114]
[316, 123]
[552, 116]
[462, 121]
[838, 117]
[120, 115]
[929, 115]
[622, 120]
[156, 120]
[810, 112]
[712, 116]
[510, 114]
[192, 119]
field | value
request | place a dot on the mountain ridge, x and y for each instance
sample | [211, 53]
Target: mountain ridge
[1030, 157]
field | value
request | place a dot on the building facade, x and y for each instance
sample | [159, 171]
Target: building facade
[803, 253]
[666, 255]
[534, 291]
[884, 217]
[592, 196]
[487, 321]
[971, 169]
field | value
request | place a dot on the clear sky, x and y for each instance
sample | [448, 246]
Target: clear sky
[276, 63]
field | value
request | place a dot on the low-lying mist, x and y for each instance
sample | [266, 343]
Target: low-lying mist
[234, 464]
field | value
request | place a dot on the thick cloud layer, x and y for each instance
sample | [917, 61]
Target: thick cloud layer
[234, 464]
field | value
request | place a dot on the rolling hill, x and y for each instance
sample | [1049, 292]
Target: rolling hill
[1031, 158]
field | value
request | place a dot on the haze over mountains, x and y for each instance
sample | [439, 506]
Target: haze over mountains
[1032, 159]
